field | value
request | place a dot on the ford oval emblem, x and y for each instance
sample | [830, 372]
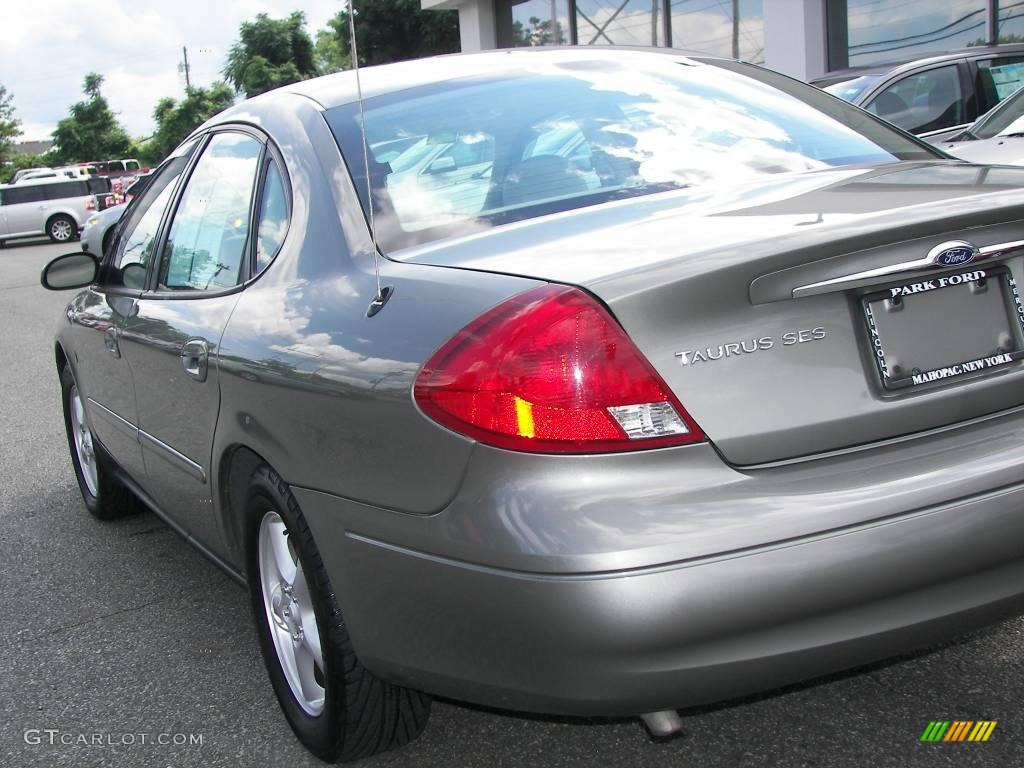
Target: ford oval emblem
[955, 254]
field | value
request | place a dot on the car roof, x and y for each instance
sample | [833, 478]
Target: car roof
[340, 88]
[896, 67]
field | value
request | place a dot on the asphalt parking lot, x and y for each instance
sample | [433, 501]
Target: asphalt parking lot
[117, 632]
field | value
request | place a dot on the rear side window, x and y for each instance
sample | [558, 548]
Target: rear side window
[273, 222]
[66, 189]
[926, 101]
[206, 246]
[998, 79]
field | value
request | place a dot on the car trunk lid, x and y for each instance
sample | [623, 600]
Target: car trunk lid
[704, 280]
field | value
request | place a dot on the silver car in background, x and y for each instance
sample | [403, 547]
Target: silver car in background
[55, 208]
[98, 232]
[674, 380]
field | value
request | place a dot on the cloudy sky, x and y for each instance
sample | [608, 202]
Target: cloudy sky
[47, 47]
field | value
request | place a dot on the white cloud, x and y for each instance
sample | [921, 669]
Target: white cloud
[47, 47]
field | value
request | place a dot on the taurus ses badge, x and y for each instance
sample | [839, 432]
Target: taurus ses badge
[956, 253]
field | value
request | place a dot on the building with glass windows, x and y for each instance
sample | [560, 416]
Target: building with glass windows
[803, 38]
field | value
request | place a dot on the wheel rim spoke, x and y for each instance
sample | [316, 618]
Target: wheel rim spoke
[310, 630]
[304, 663]
[282, 555]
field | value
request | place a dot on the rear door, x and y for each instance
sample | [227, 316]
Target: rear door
[24, 209]
[172, 338]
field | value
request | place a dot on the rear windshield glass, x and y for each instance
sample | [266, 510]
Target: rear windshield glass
[1003, 119]
[566, 132]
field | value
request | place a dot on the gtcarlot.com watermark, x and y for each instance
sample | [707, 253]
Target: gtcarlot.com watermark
[55, 737]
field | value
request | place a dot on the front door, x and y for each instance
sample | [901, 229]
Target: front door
[104, 380]
[98, 317]
[171, 340]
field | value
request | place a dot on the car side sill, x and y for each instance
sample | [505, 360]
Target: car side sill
[155, 509]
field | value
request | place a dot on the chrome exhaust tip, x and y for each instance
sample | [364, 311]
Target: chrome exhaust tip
[663, 725]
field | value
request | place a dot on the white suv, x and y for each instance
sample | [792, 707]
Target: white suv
[57, 208]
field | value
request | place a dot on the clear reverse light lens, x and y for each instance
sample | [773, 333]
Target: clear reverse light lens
[648, 420]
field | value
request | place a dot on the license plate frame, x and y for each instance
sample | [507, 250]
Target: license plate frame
[899, 379]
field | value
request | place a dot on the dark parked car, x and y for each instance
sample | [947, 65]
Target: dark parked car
[635, 401]
[936, 96]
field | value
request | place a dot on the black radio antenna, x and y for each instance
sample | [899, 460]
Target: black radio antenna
[381, 296]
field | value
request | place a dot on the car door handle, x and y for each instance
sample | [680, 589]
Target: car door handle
[110, 341]
[195, 355]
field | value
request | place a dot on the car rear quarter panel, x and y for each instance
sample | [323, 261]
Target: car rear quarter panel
[309, 382]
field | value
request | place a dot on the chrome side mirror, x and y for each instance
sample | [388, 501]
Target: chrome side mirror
[72, 270]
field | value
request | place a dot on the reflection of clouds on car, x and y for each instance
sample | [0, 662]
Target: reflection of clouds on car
[456, 157]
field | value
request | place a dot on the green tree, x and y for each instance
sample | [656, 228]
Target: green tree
[270, 53]
[22, 161]
[177, 119]
[546, 32]
[10, 127]
[90, 131]
[396, 30]
[328, 53]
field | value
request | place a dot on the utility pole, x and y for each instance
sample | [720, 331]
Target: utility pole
[654, 22]
[735, 29]
[184, 67]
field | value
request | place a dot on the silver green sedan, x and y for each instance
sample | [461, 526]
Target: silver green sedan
[646, 381]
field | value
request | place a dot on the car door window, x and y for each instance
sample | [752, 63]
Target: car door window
[997, 79]
[67, 189]
[273, 222]
[922, 102]
[134, 250]
[206, 246]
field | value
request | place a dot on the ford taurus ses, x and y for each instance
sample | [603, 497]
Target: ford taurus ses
[587, 382]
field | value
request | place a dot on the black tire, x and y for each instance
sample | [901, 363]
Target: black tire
[362, 714]
[62, 228]
[111, 499]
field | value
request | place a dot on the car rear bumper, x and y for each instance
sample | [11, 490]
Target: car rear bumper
[681, 634]
[629, 583]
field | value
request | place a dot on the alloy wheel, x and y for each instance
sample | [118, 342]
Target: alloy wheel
[61, 230]
[290, 617]
[84, 449]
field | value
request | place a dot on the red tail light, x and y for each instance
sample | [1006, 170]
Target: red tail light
[550, 371]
